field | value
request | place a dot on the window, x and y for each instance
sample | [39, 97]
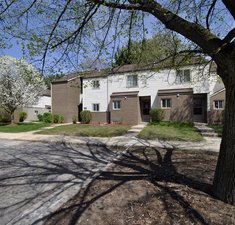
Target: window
[219, 104]
[36, 112]
[96, 107]
[132, 81]
[116, 105]
[95, 84]
[166, 103]
[182, 76]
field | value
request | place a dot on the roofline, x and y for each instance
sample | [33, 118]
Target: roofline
[217, 92]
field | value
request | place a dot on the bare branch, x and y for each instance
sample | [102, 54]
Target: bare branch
[209, 13]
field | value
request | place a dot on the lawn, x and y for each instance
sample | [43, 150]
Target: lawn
[22, 127]
[217, 128]
[87, 130]
[170, 131]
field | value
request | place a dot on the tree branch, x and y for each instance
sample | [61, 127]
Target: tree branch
[209, 13]
[230, 5]
[229, 37]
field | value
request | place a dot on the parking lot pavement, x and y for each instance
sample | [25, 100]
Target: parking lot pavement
[37, 178]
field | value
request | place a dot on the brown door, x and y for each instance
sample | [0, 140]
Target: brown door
[145, 105]
[199, 109]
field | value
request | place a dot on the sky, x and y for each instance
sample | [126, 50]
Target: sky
[16, 51]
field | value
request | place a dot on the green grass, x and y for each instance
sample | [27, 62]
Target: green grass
[217, 128]
[22, 127]
[87, 130]
[170, 131]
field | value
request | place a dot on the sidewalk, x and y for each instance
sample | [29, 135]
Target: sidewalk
[128, 140]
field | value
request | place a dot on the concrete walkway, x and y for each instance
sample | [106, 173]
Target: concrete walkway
[128, 140]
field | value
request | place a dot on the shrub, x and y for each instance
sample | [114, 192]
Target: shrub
[4, 116]
[47, 117]
[56, 118]
[157, 115]
[61, 119]
[22, 116]
[40, 117]
[74, 119]
[85, 116]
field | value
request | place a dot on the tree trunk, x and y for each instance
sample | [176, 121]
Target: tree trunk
[12, 118]
[224, 179]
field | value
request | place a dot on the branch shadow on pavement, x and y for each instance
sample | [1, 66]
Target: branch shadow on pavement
[150, 164]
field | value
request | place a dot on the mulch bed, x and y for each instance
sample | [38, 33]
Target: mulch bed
[150, 186]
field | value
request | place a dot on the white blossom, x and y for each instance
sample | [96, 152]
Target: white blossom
[20, 84]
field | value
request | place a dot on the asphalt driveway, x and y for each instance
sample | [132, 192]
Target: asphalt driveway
[37, 178]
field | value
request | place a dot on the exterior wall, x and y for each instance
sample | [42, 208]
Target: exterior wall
[43, 102]
[43, 105]
[99, 117]
[66, 98]
[216, 115]
[181, 107]
[93, 96]
[129, 112]
[149, 82]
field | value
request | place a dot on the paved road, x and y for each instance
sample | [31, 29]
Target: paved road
[37, 178]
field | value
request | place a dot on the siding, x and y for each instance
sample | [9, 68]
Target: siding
[66, 98]
[216, 115]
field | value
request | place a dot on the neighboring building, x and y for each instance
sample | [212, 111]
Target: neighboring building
[66, 96]
[127, 93]
[43, 105]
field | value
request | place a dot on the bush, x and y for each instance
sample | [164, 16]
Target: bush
[56, 118]
[61, 119]
[74, 119]
[157, 115]
[85, 116]
[4, 116]
[40, 117]
[47, 117]
[22, 116]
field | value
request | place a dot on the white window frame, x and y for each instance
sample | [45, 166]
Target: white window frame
[116, 104]
[180, 76]
[95, 107]
[131, 83]
[95, 84]
[219, 107]
[166, 99]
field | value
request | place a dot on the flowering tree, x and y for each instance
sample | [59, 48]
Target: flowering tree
[20, 84]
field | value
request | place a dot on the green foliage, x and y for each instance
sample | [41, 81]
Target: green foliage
[22, 127]
[48, 79]
[151, 50]
[170, 131]
[47, 117]
[86, 116]
[87, 130]
[4, 116]
[74, 119]
[156, 115]
[22, 116]
[57, 118]
[40, 117]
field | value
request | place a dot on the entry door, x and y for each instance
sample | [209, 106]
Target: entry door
[199, 109]
[145, 107]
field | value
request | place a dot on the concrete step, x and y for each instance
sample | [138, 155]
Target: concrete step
[204, 134]
[205, 129]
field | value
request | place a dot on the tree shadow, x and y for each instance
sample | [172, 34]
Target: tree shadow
[139, 165]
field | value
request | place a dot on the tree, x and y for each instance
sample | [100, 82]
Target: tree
[69, 26]
[160, 47]
[20, 84]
